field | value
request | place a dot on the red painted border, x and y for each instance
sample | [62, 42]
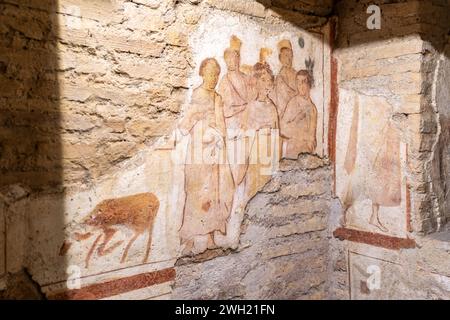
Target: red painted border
[374, 239]
[334, 103]
[408, 208]
[115, 287]
[408, 197]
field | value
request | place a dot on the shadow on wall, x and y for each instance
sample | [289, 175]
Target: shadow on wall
[30, 135]
[398, 18]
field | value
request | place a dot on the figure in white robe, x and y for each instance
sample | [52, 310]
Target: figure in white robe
[208, 181]
[264, 127]
[235, 90]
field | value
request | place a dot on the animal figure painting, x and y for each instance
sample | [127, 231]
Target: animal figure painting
[135, 212]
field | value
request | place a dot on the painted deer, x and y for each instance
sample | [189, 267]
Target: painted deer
[136, 212]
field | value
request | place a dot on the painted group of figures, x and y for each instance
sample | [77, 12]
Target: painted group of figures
[250, 116]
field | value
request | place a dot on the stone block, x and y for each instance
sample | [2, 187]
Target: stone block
[252, 8]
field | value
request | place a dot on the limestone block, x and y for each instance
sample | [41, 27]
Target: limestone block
[104, 11]
[116, 126]
[390, 66]
[78, 122]
[145, 46]
[27, 25]
[82, 63]
[410, 104]
[192, 16]
[176, 36]
[149, 69]
[315, 223]
[143, 18]
[252, 8]
[321, 7]
[150, 127]
[298, 18]
[78, 150]
[308, 206]
[289, 248]
[300, 190]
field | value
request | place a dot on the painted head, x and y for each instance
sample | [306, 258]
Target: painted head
[304, 83]
[285, 53]
[263, 78]
[286, 57]
[232, 59]
[210, 71]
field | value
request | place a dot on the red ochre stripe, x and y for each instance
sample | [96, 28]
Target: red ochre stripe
[115, 287]
[374, 239]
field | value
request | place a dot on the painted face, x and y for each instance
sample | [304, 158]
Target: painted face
[286, 57]
[232, 59]
[303, 85]
[210, 75]
[264, 84]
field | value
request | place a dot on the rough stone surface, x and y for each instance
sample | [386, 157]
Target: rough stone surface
[89, 87]
[94, 73]
[283, 249]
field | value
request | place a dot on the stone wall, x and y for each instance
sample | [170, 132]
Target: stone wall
[93, 95]
[283, 251]
[109, 82]
[104, 77]
[30, 146]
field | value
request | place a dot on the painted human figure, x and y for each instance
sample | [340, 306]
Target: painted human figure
[208, 180]
[236, 92]
[263, 131]
[285, 81]
[385, 167]
[299, 121]
[381, 179]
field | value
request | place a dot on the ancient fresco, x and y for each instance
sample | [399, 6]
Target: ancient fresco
[255, 96]
[370, 154]
[136, 212]
[241, 120]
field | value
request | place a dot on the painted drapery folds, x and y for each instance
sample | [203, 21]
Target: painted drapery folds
[208, 179]
[370, 176]
[254, 119]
